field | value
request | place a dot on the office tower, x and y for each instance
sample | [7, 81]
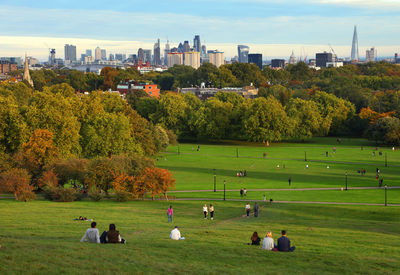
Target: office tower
[197, 43]
[175, 59]
[243, 53]
[216, 58]
[370, 55]
[69, 53]
[157, 53]
[354, 46]
[88, 52]
[140, 54]
[292, 58]
[203, 49]
[83, 57]
[120, 56]
[277, 63]
[147, 56]
[167, 50]
[186, 46]
[111, 57]
[192, 59]
[256, 58]
[97, 54]
[180, 48]
[322, 58]
[52, 57]
[27, 76]
[103, 55]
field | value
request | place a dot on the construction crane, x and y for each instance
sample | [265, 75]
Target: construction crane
[333, 51]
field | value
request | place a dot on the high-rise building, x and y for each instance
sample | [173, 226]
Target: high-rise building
[175, 59]
[52, 57]
[197, 43]
[322, 59]
[111, 57]
[292, 59]
[103, 55]
[180, 48]
[120, 56]
[167, 50]
[97, 54]
[243, 53]
[140, 54]
[157, 53]
[216, 58]
[147, 56]
[88, 52]
[186, 46]
[69, 53]
[203, 49]
[256, 58]
[278, 63]
[192, 59]
[354, 46]
[370, 55]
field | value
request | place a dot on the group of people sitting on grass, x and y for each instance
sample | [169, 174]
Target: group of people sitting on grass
[269, 244]
[241, 173]
[111, 236]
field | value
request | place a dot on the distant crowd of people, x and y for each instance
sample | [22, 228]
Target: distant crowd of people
[268, 243]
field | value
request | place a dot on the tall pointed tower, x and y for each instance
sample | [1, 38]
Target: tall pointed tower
[354, 46]
[27, 76]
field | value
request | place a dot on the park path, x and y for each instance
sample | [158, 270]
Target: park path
[290, 202]
[286, 189]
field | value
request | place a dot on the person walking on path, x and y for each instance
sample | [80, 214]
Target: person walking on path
[205, 211]
[211, 212]
[255, 209]
[290, 181]
[247, 209]
[170, 213]
[241, 192]
[245, 192]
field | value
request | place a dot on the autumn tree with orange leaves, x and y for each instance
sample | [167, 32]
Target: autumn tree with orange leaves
[17, 181]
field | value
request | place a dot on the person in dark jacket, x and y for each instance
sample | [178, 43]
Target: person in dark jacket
[284, 243]
[255, 209]
[255, 239]
[113, 235]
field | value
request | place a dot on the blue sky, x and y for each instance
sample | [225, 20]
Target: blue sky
[302, 23]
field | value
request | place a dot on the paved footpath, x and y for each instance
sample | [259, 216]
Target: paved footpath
[285, 189]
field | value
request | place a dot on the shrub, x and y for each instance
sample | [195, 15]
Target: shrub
[123, 196]
[17, 181]
[60, 194]
[95, 193]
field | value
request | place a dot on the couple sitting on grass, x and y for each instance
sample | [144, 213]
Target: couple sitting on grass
[110, 236]
[269, 244]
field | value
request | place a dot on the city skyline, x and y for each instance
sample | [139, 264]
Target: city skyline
[267, 27]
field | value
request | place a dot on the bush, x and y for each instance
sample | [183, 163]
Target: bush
[123, 196]
[17, 181]
[95, 194]
[60, 193]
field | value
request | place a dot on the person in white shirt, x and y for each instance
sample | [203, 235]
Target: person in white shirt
[268, 242]
[92, 234]
[176, 234]
[247, 208]
[205, 211]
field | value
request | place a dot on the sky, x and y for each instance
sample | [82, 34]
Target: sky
[274, 28]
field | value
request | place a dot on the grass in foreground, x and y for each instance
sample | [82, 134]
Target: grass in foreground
[41, 237]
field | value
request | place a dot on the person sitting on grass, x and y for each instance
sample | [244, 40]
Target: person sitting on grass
[113, 235]
[91, 234]
[284, 243]
[268, 242]
[176, 234]
[255, 240]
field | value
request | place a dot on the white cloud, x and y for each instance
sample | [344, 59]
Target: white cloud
[380, 4]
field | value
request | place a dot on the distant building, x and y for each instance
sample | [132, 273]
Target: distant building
[147, 56]
[7, 66]
[354, 46]
[197, 44]
[167, 50]
[175, 59]
[243, 53]
[370, 55]
[52, 57]
[292, 59]
[69, 53]
[216, 58]
[256, 58]
[192, 59]
[278, 63]
[32, 61]
[180, 48]
[396, 58]
[131, 86]
[322, 59]
[157, 53]
[97, 54]
[120, 56]
[27, 76]
[204, 93]
[111, 57]
[140, 55]
[103, 55]
[186, 46]
[89, 52]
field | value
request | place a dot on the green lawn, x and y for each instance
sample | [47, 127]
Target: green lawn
[41, 237]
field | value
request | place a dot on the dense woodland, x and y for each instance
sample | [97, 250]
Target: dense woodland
[51, 135]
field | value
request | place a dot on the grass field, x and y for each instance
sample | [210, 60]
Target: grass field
[41, 237]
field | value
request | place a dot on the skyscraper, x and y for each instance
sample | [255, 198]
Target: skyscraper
[322, 58]
[97, 54]
[243, 53]
[166, 52]
[140, 54]
[256, 58]
[147, 56]
[186, 46]
[157, 53]
[69, 53]
[88, 52]
[180, 48]
[52, 57]
[197, 43]
[354, 46]
[192, 59]
[103, 55]
[175, 59]
[370, 55]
